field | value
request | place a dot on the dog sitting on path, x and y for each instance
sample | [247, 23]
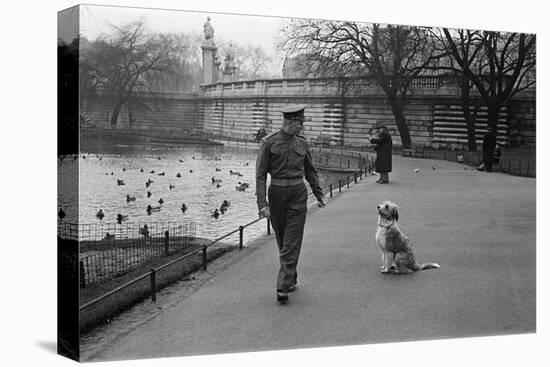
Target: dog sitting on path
[397, 253]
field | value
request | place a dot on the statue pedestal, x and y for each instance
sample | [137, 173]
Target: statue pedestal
[208, 55]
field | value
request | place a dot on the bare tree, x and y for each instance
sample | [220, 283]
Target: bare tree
[258, 61]
[465, 41]
[186, 71]
[118, 63]
[391, 55]
[252, 62]
[499, 65]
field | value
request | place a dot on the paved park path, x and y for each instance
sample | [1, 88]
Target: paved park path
[479, 226]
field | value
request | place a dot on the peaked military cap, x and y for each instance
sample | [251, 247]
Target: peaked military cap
[293, 110]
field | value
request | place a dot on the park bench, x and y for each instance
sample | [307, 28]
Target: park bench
[413, 151]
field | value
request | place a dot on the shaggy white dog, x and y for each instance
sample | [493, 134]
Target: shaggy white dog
[397, 253]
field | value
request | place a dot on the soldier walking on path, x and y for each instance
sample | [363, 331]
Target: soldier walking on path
[286, 157]
[383, 163]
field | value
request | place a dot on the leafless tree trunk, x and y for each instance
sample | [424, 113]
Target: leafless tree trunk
[390, 55]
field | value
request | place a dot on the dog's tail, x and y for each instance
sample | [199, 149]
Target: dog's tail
[428, 266]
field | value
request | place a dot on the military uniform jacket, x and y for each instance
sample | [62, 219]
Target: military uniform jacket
[284, 156]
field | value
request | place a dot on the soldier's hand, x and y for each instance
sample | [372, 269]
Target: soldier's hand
[322, 202]
[264, 212]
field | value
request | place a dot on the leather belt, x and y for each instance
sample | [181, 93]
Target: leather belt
[286, 181]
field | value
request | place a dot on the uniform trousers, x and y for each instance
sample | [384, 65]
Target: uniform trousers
[288, 208]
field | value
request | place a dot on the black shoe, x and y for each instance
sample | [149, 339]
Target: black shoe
[383, 182]
[282, 297]
[378, 181]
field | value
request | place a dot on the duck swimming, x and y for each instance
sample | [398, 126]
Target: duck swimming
[100, 214]
[178, 175]
[130, 198]
[121, 218]
[183, 208]
[120, 182]
[216, 214]
[170, 186]
[149, 194]
[161, 201]
[151, 209]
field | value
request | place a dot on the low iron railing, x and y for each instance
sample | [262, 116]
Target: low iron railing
[108, 250]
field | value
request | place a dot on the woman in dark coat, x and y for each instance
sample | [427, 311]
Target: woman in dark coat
[489, 145]
[383, 149]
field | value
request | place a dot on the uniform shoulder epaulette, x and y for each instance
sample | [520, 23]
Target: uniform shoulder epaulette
[269, 136]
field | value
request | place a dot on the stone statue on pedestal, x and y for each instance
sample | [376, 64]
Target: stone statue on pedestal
[208, 30]
[209, 54]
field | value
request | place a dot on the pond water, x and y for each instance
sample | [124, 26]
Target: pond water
[180, 175]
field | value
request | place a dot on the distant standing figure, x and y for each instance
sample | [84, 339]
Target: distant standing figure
[489, 145]
[260, 134]
[383, 163]
[497, 154]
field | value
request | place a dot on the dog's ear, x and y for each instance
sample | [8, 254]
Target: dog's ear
[395, 212]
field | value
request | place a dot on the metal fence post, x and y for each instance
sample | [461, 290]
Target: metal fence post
[82, 275]
[330, 188]
[241, 230]
[339, 185]
[153, 285]
[268, 226]
[355, 176]
[204, 257]
[347, 178]
[166, 243]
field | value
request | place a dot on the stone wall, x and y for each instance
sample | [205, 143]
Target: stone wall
[522, 122]
[167, 113]
[433, 112]
[239, 109]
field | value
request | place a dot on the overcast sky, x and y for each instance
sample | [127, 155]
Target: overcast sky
[240, 29]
